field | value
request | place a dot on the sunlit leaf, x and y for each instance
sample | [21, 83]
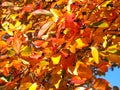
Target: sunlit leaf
[26, 51]
[95, 54]
[5, 25]
[77, 80]
[56, 13]
[44, 28]
[57, 84]
[80, 88]
[3, 81]
[33, 86]
[7, 4]
[42, 11]
[56, 59]
[69, 4]
[25, 86]
[80, 43]
[3, 44]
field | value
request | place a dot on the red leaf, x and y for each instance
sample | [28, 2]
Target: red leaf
[35, 56]
[17, 43]
[38, 43]
[67, 61]
[2, 82]
[28, 8]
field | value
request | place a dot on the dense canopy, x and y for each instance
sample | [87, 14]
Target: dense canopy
[58, 44]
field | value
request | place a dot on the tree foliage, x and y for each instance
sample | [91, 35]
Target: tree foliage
[58, 44]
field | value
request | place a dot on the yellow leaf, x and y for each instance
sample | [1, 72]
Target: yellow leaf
[56, 13]
[3, 44]
[95, 54]
[5, 25]
[57, 84]
[80, 43]
[72, 48]
[56, 59]
[33, 86]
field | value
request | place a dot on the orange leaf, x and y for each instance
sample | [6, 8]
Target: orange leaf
[77, 80]
[82, 70]
[17, 43]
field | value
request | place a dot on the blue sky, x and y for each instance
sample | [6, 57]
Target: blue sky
[113, 77]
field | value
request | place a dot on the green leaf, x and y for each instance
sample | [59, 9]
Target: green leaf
[11, 53]
[26, 51]
[99, 24]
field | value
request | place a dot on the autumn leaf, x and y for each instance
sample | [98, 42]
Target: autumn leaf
[25, 86]
[56, 59]
[80, 43]
[42, 11]
[5, 25]
[44, 28]
[17, 44]
[7, 4]
[100, 24]
[82, 70]
[101, 84]
[95, 54]
[33, 86]
[114, 58]
[26, 51]
[77, 80]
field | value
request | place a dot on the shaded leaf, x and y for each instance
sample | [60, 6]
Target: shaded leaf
[101, 84]
[100, 24]
[83, 70]
[114, 58]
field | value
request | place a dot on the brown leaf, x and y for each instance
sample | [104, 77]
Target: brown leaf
[101, 84]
